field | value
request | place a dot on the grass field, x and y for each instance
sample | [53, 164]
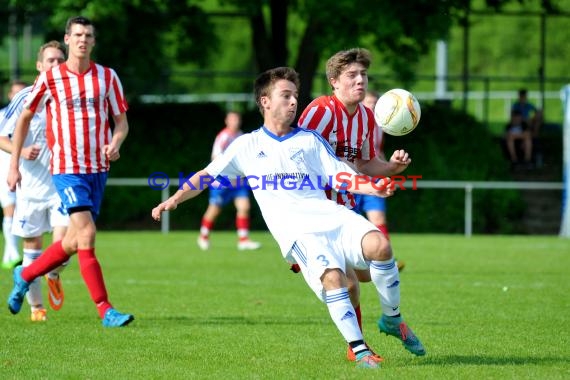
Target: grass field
[485, 308]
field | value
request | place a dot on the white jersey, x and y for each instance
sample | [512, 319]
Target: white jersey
[7, 197]
[287, 175]
[4, 156]
[36, 180]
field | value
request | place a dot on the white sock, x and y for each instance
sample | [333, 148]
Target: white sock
[204, 232]
[10, 241]
[34, 295]
[343, 314]
[386, 278]
[243, 233]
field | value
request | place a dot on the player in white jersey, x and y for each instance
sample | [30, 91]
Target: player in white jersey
[287, 168]
[11, 256]
[220, 197]
[79, 96]
[38, 206]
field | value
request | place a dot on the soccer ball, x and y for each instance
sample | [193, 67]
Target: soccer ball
[397, 112]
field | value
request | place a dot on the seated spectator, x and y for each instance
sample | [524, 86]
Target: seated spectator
[518, 129]
[526, 109]
[530, 114]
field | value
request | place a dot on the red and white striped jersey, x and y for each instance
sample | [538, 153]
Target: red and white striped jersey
[224, 138]
[78, 107]
[379, 138]
[351, 136]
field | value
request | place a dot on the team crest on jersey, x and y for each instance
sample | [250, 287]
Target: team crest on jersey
[298, 158]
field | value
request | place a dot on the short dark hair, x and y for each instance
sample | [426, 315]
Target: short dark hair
[77, 20]
[523, 92]
[340, 60]
[264, 82]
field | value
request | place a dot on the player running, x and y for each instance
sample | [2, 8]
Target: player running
[221, 196]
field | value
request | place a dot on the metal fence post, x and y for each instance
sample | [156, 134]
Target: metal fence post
[468, 209]
[165, 218]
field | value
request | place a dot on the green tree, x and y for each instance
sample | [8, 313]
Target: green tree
[402, 30]
[146, 40]
[141, 39]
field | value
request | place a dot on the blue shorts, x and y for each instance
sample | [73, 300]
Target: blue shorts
[365, 203]
[80, 192]
[224, 195]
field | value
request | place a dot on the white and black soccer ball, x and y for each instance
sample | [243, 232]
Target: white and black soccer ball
[397, 112]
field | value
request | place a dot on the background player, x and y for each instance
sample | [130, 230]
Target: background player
[11, 256]
[38, 206]
[221, 196]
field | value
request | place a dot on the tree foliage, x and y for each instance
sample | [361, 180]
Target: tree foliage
[402, 30]
[145, 40]
[140, 39]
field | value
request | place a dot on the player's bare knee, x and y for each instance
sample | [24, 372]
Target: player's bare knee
[375, 246]
[333, 278]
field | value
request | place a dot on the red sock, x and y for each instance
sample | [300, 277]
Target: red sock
[242, 226]
[358, 316]
[93, 277]
[384, 229]
[52, 257]
[205, 227]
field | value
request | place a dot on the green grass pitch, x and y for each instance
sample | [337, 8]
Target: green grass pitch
[485, 308]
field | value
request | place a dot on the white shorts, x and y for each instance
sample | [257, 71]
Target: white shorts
[34, 218]
[7, 197]
[339, 248]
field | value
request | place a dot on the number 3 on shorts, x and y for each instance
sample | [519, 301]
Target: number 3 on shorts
[323, 260]
[71, 198]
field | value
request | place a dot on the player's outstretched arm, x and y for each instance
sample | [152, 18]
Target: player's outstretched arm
[188, 190]
[399, 162]
[360, 184]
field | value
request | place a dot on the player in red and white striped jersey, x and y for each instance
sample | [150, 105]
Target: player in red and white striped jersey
[77, 96]
[349, 126]
[350, 134]
[77, 106]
